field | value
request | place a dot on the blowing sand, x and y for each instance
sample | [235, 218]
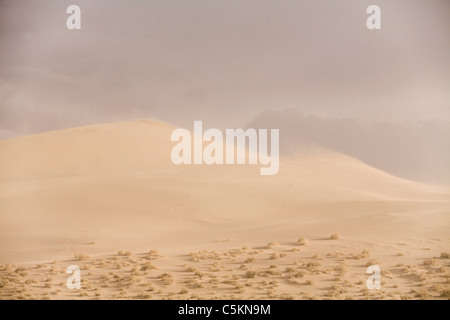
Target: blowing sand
[102, 197]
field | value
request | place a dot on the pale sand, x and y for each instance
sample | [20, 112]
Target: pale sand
[99, 189]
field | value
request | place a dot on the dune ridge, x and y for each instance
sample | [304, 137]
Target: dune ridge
[99, 189]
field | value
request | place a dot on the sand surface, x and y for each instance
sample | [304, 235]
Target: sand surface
[79, 196]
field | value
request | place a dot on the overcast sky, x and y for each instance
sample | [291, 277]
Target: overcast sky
[223, 62]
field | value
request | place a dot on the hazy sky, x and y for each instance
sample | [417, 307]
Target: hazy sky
[223, 62]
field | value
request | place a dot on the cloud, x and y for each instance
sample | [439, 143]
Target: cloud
[219, 61]
[416, 150]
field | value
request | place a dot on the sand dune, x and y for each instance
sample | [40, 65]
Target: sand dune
[100, 189]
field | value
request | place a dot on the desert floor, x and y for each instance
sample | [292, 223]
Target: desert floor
[302, 269]
[108, 199]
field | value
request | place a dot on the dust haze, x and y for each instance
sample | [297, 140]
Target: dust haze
[230, 62]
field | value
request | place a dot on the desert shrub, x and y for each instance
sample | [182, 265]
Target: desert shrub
[144, 295]
[148, 266]
[313, 265]
[272, 244]
[431, 262]
[372, 262]
[422, 295]
[250, 274]
[183, 291]
[445, 293]
[249, 260]
[286, 296]
[166, 278]
[83, 293]
[81, 256]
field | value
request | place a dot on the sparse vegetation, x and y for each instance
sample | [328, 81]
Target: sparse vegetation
[272, 245]
[241, 273]
[302, 241]
[81, 256]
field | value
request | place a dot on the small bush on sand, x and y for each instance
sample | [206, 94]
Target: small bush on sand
[372, 262]
[166, 278]
[302, 241]
[335, 236]
[81, 256]
[250, 274]
[445, 255]
[272, 244]
[183, 291]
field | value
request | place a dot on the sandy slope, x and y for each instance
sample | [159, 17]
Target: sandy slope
[100, 189]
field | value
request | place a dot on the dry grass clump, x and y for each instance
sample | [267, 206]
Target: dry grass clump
[147, 266]
[302, 241]
[362, 255]
[286, 296]
[250, 260]
[273, 283]
[217, 267]
[445, 294]
[199, 274]
[272, 245]
[83, 293]
[335, 291]
[445, 255]
[431, 263]
[154, 254]
[342, 267]
[189, 268]
[31, 281]
[372, 262]
[143, 295]
[271, 272]
[195, 283]
[422, 295]
[387, 274]
[250, 274]
[311, 266]
[270, 293]
[299, 274]
[80, 256]
[166, 278]
[407, 269]
[183, 291]
[335, 236]
[274, 256]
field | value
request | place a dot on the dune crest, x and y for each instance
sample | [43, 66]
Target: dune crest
[102, 188]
